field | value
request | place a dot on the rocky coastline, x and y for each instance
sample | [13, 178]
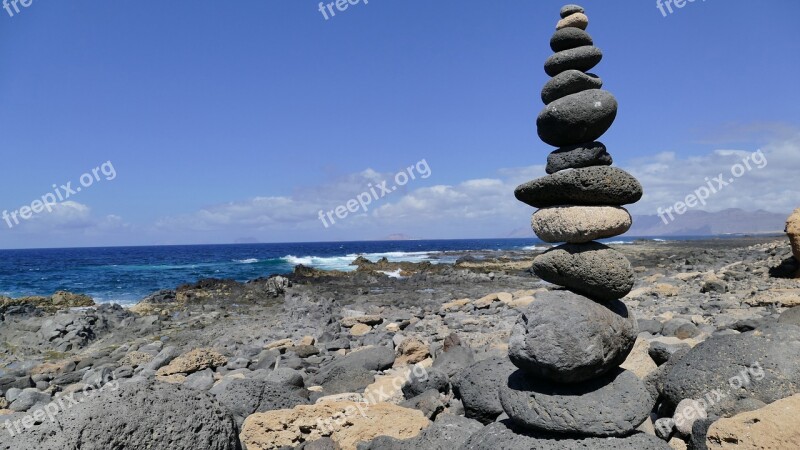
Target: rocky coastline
[362, 359]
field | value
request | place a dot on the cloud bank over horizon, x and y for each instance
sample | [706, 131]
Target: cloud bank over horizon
[472, 208]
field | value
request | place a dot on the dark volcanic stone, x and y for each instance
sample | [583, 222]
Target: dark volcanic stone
[578, 58]
[134, 416]
[578, 156]
[567, 83]
[569, 38]
[477, 387]
[611, 405]
[763, 364]
[591, 269]
[431, 379]
[568, 338]
[790, 316]
[577, 118]
[507, 436]
[568, 10]
[597, 185]
[243, 397]
[353, 373]
[446, 433]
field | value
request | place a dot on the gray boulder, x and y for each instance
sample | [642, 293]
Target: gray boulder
[725, 370]
[504, 435]
[591, 269]
[135, 415]
[611, 405]
[568, 338]
[354, 372]
[446, 433]
[243, 397]
[477, 387]
[577, 118]
[567, 83]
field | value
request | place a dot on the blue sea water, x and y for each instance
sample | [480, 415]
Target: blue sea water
[125, 275]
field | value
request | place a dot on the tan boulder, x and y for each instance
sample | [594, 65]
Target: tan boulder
[580, 224]
[346, 423]
[455, 304]
[793, 230]
[194, 361]
[639, 360]
[365, 320]
[411, 351]
[784, 297]
[776, 425]
[486, 301]
[279, 344]
[577, 20]
[360, 329]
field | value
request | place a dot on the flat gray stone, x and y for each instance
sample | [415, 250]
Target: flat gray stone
[568, 338]
[591, 269]
[597, 185]
[568, 38]
[568, 10]
[577, 118]
[567, 83]
[612, 405]
[578, 156]
[578, 58]
[506, 436]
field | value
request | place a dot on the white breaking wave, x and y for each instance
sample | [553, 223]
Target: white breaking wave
[535, 248]
[246, 261]
[394, 274]
[343, 262]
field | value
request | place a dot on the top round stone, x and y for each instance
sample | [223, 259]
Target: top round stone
[568, 10]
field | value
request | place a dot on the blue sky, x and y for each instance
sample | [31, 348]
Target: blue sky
[241, 120]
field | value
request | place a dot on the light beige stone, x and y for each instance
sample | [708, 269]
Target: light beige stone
[360, 329]
[793, 230]
[639, 361]
[677, 443]
[486, 301]
[776, 425]
[365, 320]
[307, 340]
[785, 297]
[577, 20]
[411, 351]
[135, 359]
[279, 344]
[393, 327]
[194, 361]
[687, 413]
[455, 304]
[580, 224]
[345, 397]
[521, 302]
[347, 423]
[388, 388]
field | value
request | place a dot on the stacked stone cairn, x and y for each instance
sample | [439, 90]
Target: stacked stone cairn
[569, 344]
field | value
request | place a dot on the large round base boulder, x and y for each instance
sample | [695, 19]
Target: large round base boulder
[588, 186]
[505, 435]
[580, 224]
[611, 405]
[591, 269]
[577, 118]
[568, 338]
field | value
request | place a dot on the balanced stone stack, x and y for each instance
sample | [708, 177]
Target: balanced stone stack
[569, 344]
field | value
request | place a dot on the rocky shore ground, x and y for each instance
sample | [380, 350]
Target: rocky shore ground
[324, 360]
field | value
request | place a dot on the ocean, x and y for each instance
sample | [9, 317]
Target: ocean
[125, 275]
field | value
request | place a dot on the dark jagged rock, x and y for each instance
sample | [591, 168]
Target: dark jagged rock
[578, 156]
[477, 387]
